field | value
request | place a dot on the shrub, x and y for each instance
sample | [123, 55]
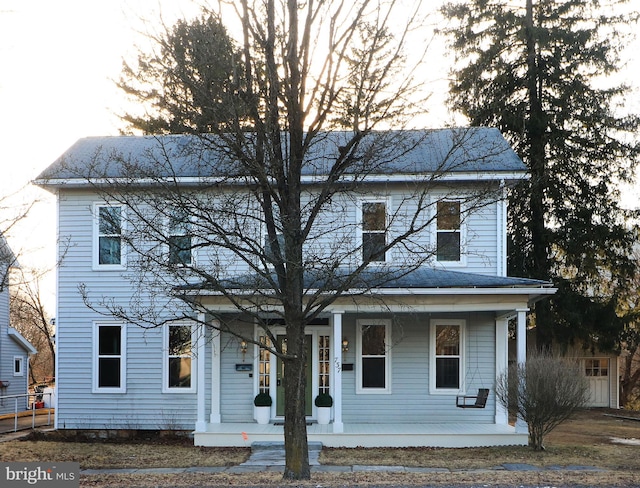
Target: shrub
[324, 400]
[544, 392]
[262, 399]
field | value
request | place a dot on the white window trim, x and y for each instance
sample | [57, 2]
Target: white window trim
[20, 360]
[388, 257]
[123, 358]
[387, 339]
[432, 356]
[463, 233]
[96, 238]
[165, 359]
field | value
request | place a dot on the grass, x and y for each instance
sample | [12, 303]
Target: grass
[586, 440]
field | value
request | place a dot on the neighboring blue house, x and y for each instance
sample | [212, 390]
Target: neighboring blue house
[14, 349]
[394, 358]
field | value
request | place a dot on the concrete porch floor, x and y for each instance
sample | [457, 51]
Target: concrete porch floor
[367, 435]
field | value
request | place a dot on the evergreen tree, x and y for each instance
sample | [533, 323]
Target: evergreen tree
[186, 81]
[543, 72]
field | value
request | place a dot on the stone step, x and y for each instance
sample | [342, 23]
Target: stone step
[266, 453]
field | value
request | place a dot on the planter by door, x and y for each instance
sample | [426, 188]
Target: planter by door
[263, 415]
[324, 415]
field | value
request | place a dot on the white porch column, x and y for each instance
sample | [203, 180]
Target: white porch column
[201, 341]
[215, 417]
[502, 363]
[336, 320]
[521, 342]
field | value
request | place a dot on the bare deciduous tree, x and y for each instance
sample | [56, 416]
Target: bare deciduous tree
[544, 392]
[240, 216]
[30, 318]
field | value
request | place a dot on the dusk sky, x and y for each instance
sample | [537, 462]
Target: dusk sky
[58, 61]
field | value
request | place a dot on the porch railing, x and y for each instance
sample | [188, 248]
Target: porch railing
[34, 400]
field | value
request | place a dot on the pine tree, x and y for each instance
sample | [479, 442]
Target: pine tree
[186, 82]
[543, 72]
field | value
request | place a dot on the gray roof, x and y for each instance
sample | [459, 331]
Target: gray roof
[450, 151]
[386, 278]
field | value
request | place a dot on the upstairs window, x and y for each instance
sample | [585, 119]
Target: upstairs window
[180, 245]
[179, 358]
[270, 248]
[109, 235]
[448, 231]
[374, 231]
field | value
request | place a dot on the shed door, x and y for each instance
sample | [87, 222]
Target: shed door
[597, 372]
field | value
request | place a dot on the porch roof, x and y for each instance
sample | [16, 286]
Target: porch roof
[381, 280]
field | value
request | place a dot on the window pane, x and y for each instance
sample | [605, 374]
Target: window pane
[372, 246]
[448, 216]
[179, 340]
[109, 372]
[447, 340]
[179, 372]
[373, 340]
[109, 340]
[270, 248]
[373, 372]
[447, 373]
[448, 246]
[374, 216]
[109, 250]
[179, 249]
[109, 220]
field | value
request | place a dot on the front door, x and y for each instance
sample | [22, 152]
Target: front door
[282, 341]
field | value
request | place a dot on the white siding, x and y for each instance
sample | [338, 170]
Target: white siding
[145, 406]
[410, 400]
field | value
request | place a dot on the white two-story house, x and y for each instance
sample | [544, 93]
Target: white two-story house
[396, 357]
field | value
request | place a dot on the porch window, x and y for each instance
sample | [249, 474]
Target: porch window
[447, 365]
[108, 235]
[373, 355]
[448, 233]
[374, 231]
[178, 362]
[109, 358]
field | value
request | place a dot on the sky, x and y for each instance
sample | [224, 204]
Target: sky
[58, 60]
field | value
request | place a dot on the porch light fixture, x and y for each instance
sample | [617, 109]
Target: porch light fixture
[243, 348]
[345, 345]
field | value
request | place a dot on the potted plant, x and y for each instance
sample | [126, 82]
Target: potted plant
[262, 403]
[324, 402]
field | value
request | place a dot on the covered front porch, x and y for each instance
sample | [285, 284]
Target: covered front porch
[368, 435]
[411, 398]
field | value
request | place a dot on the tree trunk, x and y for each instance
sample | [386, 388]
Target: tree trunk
[536, 127]
[295, 421]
